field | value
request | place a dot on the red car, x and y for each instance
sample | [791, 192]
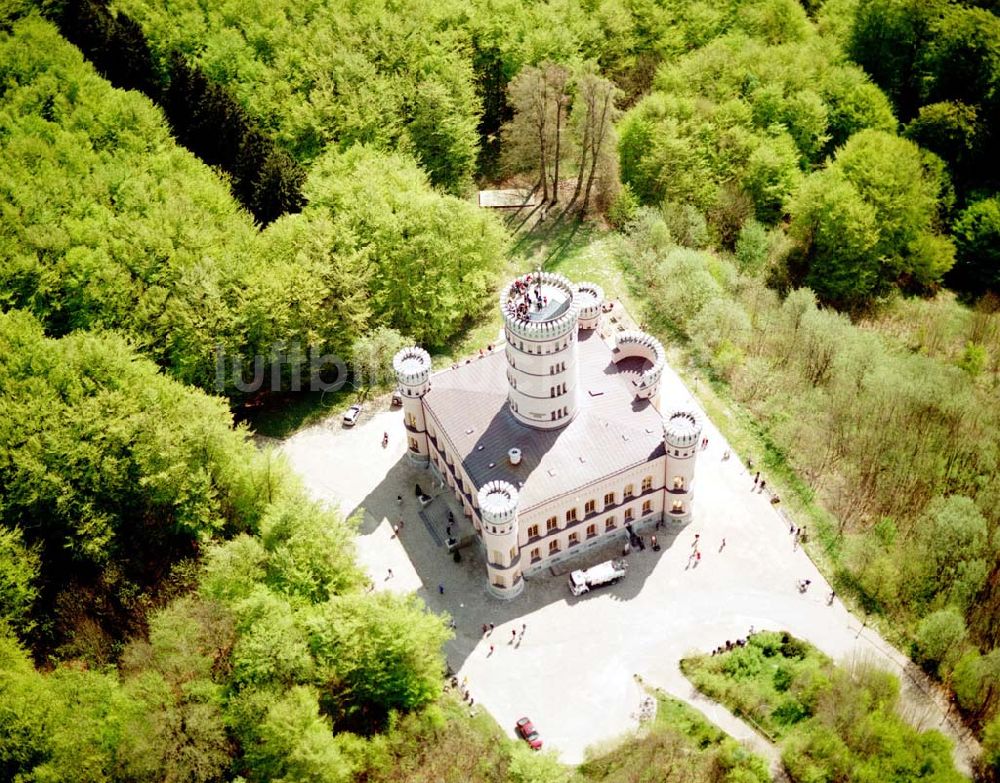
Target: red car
[528, 733]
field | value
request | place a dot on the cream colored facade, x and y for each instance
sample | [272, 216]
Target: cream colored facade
[525, 523]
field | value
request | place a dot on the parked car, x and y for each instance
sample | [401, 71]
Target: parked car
[526, 729]
[352, 415]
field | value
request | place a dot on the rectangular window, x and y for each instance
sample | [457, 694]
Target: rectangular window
[629, 513]
[629, 490]
[647, 483]
[533, 531]
[550, 524]
[513, 553]
[413, 444]
[677, 507]
[647, 507]
[499, 581]
[609, 498]
[571, 515]
[589, 506]
[536, 555]
[496, 557]
[553, 547]
[591, 531]
[574, 538]
[678, 482]
[610, 524]
[411, 420]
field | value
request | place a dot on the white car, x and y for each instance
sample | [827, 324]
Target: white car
[352, 415]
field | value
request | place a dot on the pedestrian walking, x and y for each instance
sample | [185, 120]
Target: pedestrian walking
[389, 576]
[447, 531]
[756, 478]
[829, 599]
[491, 651]
[723, 545]
[697, 556]
[695, 542]
[524, 627]
[440, 589]
[762, 485]
[513, 635]
[399, 499]
[492, 627]
[485, 629]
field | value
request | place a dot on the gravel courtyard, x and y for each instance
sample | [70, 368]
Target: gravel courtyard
[573, 671]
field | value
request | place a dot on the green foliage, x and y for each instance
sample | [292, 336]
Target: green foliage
[623, 208]
[18, 574]
[868, 222]
[977, 242]
[744, 114]
[938, 62]
[378, 652]
[373, 355]
[990, 759]
[838, 724]
[295, 743]
[112, 470]
[437, 257]
[938, 638]
[396, 77]
[752, 247]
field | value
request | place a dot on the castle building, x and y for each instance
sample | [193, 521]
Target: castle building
[555, 441]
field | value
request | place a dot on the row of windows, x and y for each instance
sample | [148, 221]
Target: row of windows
[558, 367]
[558, 414]
[611, 523]
[555, 391]
[539, 348]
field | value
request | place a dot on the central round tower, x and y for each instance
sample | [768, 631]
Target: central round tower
[540, 312]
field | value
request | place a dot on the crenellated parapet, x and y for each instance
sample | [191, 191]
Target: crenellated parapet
[413, 371]
[497, 502]
[682, 429]
[539, 306]
[644, 346]
[682, 438]
[591, 299]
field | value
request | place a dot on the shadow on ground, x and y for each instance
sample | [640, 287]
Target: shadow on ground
[465, 596]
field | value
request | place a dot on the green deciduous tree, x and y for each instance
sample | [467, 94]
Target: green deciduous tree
[977, 241]
[376, 653]
[938, 639]
[433, 258]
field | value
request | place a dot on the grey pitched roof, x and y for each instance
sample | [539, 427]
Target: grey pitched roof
[611, 431]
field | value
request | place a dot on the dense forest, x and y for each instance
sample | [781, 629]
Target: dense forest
[803, 195]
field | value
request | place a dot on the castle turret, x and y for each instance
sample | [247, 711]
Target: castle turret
[639, 345]
[413, 375]
[540, 313]
[682, 437]
[591, 299]
[498, 511]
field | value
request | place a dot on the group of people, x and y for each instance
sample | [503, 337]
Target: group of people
[528, 296]
[731, 645]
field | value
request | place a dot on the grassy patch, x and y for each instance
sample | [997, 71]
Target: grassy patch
[754, 681]
[834, 722]
[681, 740]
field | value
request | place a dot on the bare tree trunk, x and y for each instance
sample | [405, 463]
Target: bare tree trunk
[555, 174]
[597, 141]
[583, 154]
